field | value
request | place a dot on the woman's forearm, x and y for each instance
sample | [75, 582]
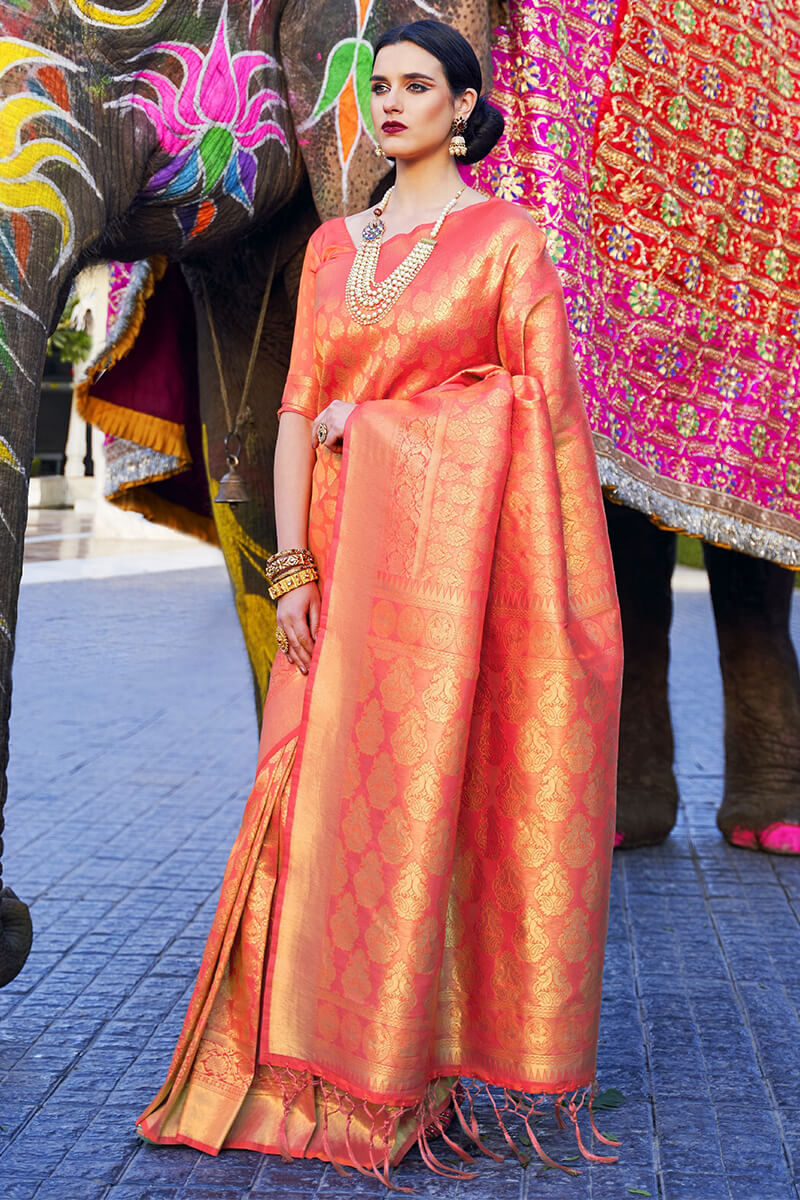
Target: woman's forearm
[294, 463]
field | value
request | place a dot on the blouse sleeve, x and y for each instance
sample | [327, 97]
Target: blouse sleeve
[533, 333]
[301, 391]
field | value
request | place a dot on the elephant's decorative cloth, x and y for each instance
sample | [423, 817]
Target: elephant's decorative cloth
[419, 888]
[659, 144]
[142, 391]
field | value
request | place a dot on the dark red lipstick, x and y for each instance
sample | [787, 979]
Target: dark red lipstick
[392, 127]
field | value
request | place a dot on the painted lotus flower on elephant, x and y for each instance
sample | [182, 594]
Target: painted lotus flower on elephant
[208, 124]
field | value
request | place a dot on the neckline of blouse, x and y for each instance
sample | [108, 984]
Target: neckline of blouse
[425, 224]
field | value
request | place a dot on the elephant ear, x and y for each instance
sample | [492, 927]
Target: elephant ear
[327, 57]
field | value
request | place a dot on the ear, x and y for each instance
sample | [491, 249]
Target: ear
[326, 52]
[466, 102]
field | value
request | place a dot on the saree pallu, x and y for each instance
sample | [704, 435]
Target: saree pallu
[419, 889]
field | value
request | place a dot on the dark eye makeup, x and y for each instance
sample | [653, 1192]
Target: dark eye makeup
[378, 88]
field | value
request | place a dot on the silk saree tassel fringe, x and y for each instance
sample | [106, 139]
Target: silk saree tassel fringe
[517, 1104]
[573, 1109]
[382, 1172]
[427, 1120]
[325, 1091]
[526, 1107]
[436, 1165]
[471, 1129]
[374, 1171]
[292, 1084]
[454, 1146]
[600, 1137]
[523, 1158]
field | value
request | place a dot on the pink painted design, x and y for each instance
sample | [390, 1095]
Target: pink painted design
[619, 838]
[781, 838]
[745, 838]
[778, 838]
[209, 123]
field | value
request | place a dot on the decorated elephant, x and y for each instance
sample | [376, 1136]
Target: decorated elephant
[217, 135]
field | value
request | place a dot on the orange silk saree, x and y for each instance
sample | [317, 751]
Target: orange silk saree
[419, 890]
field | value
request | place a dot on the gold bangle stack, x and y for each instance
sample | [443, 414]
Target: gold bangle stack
[289, 569]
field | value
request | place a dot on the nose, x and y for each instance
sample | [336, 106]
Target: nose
[391, 101]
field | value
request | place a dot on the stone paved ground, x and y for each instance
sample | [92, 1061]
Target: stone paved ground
[133, 747]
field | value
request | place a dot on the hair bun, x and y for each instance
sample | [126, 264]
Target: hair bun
[484, 127]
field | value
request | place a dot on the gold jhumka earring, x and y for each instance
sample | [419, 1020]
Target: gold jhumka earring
[458, 147]
[379, 152]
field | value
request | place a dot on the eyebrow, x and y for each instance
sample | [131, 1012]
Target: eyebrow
[412, 75]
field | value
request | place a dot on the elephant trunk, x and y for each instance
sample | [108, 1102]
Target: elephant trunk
[23, 342]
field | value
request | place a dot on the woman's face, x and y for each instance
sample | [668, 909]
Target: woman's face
[412, 107]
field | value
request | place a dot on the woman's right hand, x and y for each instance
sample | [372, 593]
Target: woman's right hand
[334, 418]
[298, 616]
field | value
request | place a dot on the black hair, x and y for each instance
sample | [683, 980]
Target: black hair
[462, 70]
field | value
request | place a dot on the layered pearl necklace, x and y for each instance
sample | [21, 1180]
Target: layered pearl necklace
[368, 301]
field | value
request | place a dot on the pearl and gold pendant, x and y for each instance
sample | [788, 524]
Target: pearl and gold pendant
[368, 301]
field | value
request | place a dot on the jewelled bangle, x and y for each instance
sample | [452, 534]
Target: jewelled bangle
[307, 575]
[284, 559]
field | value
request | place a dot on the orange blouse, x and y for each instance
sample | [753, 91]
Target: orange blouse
[468, 306]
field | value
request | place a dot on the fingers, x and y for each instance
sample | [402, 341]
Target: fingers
[298, 616]
[332, 421]
[313, 616]
[332, 439]
[301, 644]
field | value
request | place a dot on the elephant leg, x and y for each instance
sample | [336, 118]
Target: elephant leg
[647, 794]
[752, 602]
[22, 352]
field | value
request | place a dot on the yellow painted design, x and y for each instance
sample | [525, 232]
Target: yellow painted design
[13, 52]
[38, 194]
[256, 613]
[22, 186]
[16, 53]
[15, 111]
[98, 14]
[8, 458]
[30, 157]
[7, 298]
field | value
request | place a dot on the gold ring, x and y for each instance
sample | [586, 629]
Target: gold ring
[281, 639]
[322, 432]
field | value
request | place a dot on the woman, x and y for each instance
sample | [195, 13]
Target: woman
[419, 889]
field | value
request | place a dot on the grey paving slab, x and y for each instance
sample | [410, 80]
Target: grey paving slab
[133, 745]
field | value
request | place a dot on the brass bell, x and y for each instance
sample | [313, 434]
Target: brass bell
[232, 489]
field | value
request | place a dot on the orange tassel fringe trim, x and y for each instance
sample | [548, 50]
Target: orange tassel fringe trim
[432, 1124]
